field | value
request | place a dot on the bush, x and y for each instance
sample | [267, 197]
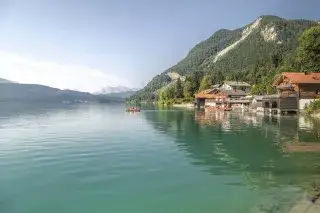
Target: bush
[313, 107]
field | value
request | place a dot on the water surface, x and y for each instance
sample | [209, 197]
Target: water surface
[98, 158]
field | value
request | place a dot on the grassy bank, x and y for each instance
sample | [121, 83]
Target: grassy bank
[176, 101]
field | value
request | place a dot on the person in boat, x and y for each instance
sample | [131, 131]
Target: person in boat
[133, 109]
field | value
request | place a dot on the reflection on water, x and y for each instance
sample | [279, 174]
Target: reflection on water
[274, 153]
[75, 158]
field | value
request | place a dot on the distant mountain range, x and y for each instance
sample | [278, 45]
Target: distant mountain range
[122, 95]
[2, 81]
[117, 92]
[118, 89]
[11, 91]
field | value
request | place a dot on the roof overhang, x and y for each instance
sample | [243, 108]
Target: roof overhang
[277, 79]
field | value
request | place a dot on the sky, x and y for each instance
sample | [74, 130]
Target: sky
[87, 44]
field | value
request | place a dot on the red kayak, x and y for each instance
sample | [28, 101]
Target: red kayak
[133, 110]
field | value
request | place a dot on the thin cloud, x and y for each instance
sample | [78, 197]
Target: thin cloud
[18, 68]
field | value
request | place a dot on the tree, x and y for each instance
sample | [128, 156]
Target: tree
[187, 89]
[219, 77]
[163, 95]
[195, 80]
[206, 82]
[276, 60]
[179, 89]
[256, 90]
[170, 92]
[309, 50]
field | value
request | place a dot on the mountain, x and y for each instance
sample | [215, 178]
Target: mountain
[4, 81]
[118, 89]
[38, 93]
[34, 92]
[247, 53]
[122, 95]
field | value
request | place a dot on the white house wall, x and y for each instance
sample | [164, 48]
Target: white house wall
[225, 86]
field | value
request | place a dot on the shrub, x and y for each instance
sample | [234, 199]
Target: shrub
[313, 107]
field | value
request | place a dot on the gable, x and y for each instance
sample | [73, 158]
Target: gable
[281, 79]
[296, 78]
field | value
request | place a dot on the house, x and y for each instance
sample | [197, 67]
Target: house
[236, 85]
[236, 98]
[255, 102]
[208, 97]
[294, 92]
[223, 96]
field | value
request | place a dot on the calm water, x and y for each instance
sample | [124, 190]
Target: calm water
[97, 158]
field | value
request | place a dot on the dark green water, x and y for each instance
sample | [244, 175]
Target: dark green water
[98, 158]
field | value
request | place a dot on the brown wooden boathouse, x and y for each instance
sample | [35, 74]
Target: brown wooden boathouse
[294, 92]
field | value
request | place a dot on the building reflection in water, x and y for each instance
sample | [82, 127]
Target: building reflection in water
[292, 133]
[229, 141]
[258, 147]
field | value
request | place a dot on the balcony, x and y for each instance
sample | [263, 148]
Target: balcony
[280, 95]
[309, 95]
[238, 101]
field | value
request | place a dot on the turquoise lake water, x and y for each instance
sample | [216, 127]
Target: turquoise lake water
[98, 158]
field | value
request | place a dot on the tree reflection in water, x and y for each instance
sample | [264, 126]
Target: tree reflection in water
[266, 150]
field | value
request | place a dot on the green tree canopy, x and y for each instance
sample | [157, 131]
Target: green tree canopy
[309, 50]
[178, 89]
[196, 80]
[187, 89]
[206, 82]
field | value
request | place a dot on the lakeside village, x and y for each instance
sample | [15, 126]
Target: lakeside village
[295, 92]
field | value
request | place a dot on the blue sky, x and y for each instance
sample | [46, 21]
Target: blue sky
[129, 40]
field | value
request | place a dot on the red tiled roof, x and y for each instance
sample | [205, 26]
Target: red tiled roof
[205, 96]
[302, 78]
[209, 94]
[207, 91]
[219, 93]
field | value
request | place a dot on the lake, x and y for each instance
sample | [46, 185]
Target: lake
[98, 158]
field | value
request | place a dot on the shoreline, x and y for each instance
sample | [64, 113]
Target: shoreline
[305, 205]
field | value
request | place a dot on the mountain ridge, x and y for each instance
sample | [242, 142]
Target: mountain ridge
[2, 81]
[35, 93]
[116, 89]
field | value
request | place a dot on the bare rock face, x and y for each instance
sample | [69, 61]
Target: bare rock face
[245, 33]
[269, 33]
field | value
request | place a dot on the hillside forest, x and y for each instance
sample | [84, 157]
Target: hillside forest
[255, 61]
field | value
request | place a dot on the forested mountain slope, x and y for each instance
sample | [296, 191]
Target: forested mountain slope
[249, 53]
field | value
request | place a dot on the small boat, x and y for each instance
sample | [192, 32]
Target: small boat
[133, 109]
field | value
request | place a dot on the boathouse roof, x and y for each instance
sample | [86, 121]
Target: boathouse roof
[237, 83]
[208, 93]
[298, 78]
